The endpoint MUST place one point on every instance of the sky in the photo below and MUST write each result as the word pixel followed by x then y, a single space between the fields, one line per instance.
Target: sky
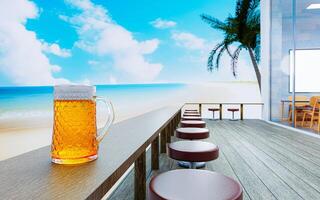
pixel 111 42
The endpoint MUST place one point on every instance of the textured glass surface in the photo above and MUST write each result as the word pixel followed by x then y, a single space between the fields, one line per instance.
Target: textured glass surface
pixel 74 134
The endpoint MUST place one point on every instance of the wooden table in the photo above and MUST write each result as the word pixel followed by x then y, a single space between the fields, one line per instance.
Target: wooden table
pixel 283 101
pixel 33 176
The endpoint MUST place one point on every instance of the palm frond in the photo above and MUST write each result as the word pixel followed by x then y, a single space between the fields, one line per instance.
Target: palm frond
pixel 222 49
pixel 211 56
pixel 213 22
pixel 234 60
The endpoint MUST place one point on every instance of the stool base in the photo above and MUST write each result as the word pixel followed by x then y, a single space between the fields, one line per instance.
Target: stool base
pixel 192 165
pixel 233 119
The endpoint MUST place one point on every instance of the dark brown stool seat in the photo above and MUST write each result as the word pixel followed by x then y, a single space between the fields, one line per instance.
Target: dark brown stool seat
pixel 191 110
pixel 213 110
pixel 195 113
pixel 191 115
pixel 193 151
pixel 233 110
pixel 191 118
pixel 191 184
pixel 192 124
pixel 192 133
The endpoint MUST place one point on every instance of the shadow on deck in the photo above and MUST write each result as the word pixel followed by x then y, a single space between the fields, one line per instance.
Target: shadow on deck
pixel 270 162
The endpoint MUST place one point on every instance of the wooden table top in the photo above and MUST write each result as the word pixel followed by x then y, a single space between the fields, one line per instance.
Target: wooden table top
pixel 33 176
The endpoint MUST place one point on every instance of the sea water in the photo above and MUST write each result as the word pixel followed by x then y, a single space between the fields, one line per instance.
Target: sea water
pixel 23 103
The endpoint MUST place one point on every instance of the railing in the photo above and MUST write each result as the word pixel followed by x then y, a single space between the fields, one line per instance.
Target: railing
pixel 33 176
pixel 241 104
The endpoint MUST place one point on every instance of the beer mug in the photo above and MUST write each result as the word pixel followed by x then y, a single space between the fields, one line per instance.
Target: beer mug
pixel 75 139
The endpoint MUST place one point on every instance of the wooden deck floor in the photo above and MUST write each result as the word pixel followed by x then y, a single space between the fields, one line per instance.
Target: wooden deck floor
pixel 270 162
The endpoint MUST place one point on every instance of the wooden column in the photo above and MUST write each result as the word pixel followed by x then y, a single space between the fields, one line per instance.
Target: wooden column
pixel 241 111
pixel 140 177
pixel 155 154
pixel 163 142
pixel 168 134
pixel 220 106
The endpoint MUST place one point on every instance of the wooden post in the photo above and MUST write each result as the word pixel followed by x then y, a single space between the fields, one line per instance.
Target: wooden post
pixel 168 134
pixel 155 154
pixel 241 111
pixel 163 142
pixel 200 108
pixel 220 111
pixel 140 177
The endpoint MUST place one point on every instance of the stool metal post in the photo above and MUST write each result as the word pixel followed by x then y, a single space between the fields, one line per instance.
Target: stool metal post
pixel 220 106
pixel 241 111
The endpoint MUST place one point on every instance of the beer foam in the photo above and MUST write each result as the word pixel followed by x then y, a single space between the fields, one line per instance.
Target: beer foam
pixel 74 92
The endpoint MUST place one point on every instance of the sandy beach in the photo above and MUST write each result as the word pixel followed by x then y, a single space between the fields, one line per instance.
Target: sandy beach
pixel 19 136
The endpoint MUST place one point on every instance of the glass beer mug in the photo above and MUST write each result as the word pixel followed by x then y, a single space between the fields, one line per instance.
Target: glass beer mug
pixel 75 139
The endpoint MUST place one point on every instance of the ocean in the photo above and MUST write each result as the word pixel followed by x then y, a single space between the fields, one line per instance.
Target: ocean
pixel 20 103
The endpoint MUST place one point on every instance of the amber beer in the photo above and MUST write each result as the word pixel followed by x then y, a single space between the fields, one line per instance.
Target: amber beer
pixel 75 139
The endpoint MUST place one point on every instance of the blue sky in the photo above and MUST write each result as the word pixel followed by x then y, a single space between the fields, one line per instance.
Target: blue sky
pixel 107 42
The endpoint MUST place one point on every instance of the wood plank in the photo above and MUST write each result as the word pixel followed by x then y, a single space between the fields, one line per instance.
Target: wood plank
pixel 40 179
pixel 251 182
pixel 300 186
pixel 299 169
pixel 285 146
pixel 277 186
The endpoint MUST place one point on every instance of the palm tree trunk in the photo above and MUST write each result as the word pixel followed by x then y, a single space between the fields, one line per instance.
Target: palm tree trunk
pixel 256 68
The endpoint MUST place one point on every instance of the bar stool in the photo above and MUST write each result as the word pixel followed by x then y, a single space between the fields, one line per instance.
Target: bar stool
pixel 191 110
pixel 233 110
pixel 190 184
pixel 191 115
pixel 192 133
pixel 193 152
pixel 213 111
pixel 191 118
pixel 192 124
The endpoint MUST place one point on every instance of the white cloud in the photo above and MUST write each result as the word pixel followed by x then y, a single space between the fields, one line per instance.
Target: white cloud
pixel 99 34
pixel 93 62
pixel 197 52
pixel 163 24
pixel 188 40
pixel 55 49
pixel 21 54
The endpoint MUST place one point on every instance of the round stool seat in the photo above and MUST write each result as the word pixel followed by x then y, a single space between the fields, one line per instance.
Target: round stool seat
pixel 193 151
pixel 191 110
pixel 192 133
pixel 214 109
pixel 233 109
pixel 190 184
pixel 191 115
pixel 191 118
pixel 193 124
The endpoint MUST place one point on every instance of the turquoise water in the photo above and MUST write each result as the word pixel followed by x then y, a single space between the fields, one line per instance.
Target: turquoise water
pixel 22 102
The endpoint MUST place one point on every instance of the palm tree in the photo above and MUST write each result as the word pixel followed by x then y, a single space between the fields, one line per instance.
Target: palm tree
pixel 242 30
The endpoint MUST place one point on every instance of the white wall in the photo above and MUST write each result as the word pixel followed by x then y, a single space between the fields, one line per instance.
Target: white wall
pixel 265 56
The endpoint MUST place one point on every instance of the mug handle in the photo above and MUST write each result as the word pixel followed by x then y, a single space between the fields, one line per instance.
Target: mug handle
pixel 103 131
